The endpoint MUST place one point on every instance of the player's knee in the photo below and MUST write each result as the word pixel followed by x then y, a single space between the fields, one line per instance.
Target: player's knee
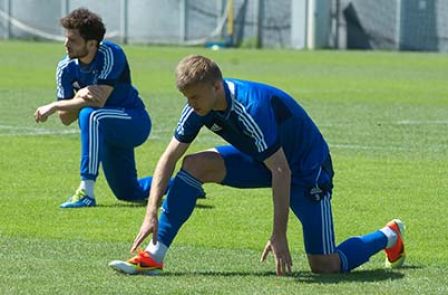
pixel 196 165
pixel 84 114
pixel 324 264
pixel 129 197
pixel 205 166
pixel 128 193
pixel 86 111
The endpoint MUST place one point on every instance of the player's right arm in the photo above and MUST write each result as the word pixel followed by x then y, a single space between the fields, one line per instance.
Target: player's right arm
pixel 164 169
pixel 65 90
pixel 69 108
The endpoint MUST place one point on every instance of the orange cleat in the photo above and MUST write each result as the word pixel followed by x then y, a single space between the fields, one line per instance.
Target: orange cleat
pixel 142 263
pixel 396 254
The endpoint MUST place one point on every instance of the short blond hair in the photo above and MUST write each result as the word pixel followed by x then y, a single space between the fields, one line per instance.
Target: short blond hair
pixel 196 69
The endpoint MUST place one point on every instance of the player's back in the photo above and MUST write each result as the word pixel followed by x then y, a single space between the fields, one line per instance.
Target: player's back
pixel 301 140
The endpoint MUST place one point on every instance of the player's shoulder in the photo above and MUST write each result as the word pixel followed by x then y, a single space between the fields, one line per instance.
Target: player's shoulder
pixel 65 64
pixel 108 47
pixel 249 92
pixel 249 86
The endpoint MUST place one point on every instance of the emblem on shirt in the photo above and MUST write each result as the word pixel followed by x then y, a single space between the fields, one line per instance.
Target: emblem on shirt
pixel 76 85
pixel 215 128
pixel 180 129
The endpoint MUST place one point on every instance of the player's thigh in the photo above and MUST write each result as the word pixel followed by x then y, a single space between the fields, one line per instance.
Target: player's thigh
pixel 243 171
pixel 317 221
pixel 206 166
pixel 125 128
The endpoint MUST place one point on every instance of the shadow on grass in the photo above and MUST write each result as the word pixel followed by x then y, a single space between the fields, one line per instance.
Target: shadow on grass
pixel 304 277
pixel 374 275
pixel 143 204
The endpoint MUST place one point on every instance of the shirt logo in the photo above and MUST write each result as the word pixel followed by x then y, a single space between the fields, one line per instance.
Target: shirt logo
pixel 180 129
pixel 215 128
pixel 76 85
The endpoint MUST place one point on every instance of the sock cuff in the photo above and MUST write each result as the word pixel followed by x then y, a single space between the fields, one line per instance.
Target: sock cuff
pixel 157 251
pixel 390 235
pixel 189 179
pixel 344 261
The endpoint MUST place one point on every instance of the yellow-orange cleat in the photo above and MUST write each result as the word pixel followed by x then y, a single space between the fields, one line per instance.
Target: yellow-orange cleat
pixel 142 263
pixel 396 255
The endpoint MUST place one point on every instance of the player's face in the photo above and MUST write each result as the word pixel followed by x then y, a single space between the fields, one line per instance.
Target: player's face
pixel 75 45
pixel 202 97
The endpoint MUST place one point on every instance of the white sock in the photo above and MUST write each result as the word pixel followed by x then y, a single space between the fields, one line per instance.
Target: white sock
pixel 157 251
pixel 391 236
pixel 88 186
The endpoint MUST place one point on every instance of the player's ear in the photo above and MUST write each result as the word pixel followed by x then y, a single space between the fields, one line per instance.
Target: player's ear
pixel 92 44
pixel 217 85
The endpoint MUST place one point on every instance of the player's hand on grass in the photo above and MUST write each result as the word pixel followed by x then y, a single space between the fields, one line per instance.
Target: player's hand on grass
pixel 280 249
pixel 150 226
pixel 43 112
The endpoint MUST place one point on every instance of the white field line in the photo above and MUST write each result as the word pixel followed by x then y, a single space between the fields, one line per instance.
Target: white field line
pixel 417 122
pixel 366 147
pixel 156 134
pixel 33 131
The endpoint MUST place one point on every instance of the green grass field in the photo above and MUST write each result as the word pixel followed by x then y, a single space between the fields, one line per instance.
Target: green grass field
pixel 384 114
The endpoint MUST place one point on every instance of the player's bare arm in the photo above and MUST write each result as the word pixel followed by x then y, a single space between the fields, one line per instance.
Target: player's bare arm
pixel 281 183
pixel 94 95
pixel 164 169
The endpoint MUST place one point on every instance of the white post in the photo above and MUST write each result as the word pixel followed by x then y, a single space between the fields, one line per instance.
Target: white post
pixel 7 20
pixel 298 23
pixel 65 9
pixel 311 22
pixel 219 11
pixel 259 26
pixel 124 21
pixel 183 20
pixel 398 29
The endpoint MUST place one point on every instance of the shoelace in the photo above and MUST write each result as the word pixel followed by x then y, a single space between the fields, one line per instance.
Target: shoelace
pixel 79 194
pixel 141 256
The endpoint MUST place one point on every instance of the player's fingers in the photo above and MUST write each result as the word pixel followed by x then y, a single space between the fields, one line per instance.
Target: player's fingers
pixel 265 253
pixel 138 240
pixel 134 247
pixel 278 266
pixel 289 266
pixel 154 234
pixel 37 115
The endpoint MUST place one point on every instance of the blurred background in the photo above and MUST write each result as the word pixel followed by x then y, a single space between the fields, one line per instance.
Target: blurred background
pixel 417 25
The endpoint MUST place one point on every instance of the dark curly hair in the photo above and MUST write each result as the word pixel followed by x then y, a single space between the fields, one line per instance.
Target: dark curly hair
pixel 89 24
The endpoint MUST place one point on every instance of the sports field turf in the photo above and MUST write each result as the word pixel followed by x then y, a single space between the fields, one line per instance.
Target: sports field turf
pixel 384 114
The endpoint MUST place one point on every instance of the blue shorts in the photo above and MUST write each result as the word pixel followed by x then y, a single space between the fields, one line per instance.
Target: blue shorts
pixel 242 171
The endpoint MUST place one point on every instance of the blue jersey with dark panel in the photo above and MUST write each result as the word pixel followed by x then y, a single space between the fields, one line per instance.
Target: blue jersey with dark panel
pixel 260 119
pixel 109 67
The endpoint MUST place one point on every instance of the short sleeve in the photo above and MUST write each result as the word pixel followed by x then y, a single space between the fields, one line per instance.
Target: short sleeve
pixel 64 80
pixel 188 126
pixel 261 121
pixel 113 64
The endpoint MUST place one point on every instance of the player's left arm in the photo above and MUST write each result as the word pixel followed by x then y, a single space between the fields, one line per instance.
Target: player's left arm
pixel 281 185
pixel 270 151
pixel 94 95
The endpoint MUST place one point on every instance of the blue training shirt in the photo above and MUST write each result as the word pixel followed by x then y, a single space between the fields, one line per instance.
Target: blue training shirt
pixel 260 119
pixel 109 67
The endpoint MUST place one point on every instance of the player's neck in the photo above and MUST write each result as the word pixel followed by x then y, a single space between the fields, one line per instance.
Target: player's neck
pixel 221 103
pixel 88 58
